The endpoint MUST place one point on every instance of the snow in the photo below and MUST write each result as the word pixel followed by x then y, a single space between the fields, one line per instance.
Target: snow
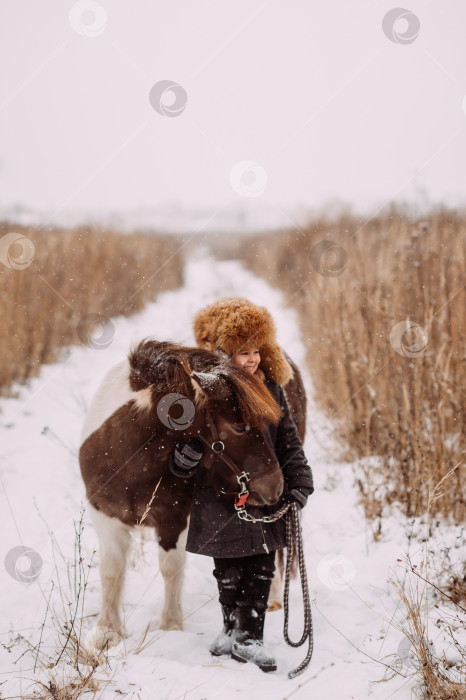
pixel 42 493
pixel 208 379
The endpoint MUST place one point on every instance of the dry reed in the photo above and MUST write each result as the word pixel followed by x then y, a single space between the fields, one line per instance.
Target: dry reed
pixel 382 307
pixel 71 284
pixel 438 679
pixel 64 666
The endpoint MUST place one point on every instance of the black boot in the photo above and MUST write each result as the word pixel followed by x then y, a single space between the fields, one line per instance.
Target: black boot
pixel 223 642
pixel 248 644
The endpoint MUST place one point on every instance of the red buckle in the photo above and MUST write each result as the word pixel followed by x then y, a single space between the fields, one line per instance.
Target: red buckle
pixel 241 500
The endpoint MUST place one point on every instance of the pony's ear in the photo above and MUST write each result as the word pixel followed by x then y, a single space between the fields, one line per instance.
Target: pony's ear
pixel 212 381
pixel 221 354
pixel 142 358
pixel 157 365
pixel 200 396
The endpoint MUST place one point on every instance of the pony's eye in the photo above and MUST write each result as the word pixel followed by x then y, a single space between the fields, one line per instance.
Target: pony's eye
pixel 240 429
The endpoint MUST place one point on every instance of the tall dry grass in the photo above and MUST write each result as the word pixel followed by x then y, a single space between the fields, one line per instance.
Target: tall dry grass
pixel 437 677
pixel 397 392
pixel 60 662
pixel 71 283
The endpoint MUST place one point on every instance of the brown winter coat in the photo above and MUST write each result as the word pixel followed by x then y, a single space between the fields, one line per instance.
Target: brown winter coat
pixel 215 529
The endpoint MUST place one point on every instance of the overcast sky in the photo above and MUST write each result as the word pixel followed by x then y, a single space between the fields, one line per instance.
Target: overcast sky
pixel 281 104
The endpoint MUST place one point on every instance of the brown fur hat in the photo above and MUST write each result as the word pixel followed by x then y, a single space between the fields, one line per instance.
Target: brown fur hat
pixel 232 324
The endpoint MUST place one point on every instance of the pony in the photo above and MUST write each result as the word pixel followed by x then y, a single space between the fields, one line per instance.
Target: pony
pixel 165 393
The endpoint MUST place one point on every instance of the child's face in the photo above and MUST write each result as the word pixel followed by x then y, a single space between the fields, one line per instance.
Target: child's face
pixel 248 358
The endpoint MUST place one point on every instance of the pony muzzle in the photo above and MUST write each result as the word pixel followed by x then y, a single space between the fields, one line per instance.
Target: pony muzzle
pixel 266 489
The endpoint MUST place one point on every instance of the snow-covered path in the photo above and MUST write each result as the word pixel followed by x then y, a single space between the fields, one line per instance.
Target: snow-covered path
pixel 41 496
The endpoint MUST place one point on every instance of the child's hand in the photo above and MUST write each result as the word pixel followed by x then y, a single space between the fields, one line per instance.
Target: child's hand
pixel 295 496
pixel 186 457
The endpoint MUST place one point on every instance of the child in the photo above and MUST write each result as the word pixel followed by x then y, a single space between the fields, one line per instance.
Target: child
pixel 244 567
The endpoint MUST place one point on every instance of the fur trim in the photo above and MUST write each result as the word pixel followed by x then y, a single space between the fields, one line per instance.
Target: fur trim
pixel 232 324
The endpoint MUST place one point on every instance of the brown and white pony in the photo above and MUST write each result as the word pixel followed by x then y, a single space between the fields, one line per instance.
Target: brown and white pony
pixel 164 394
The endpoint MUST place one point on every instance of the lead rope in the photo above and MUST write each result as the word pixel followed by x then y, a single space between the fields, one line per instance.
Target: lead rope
pixel 292 522
pixel 290 510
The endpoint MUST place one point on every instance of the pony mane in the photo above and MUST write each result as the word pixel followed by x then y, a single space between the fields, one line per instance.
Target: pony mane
pixel 170 367
pixel 161 365
pixel 255 403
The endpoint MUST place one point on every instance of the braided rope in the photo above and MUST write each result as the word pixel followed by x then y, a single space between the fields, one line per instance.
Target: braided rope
pixel 292 523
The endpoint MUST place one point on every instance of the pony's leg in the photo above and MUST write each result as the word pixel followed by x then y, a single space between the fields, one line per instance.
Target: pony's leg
pixel 275 601
pixel 114 541
pixel 172 567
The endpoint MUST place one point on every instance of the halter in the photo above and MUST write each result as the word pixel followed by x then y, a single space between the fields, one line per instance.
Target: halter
pixel 218 449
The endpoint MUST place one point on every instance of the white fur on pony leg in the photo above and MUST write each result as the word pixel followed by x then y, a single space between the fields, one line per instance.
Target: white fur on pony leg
pixel 172 567
pixel 114 541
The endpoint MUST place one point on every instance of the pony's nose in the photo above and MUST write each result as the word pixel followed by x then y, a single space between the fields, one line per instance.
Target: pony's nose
pixel 275 490
pixel 279 491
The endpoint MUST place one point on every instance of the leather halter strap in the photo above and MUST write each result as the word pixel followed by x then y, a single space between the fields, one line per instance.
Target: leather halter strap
pixel 218 446
pixel 242 477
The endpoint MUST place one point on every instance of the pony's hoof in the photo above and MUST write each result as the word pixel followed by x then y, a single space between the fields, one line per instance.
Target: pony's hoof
pixel 105 637
pixel 170 623
pixel 274 605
